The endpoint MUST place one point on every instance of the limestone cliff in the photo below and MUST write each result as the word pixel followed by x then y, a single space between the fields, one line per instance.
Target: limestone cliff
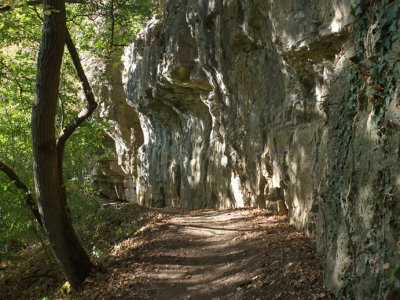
pixel 115 176
pixel 256 102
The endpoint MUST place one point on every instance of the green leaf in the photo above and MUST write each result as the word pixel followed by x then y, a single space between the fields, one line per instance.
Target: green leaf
pixel 392 13
pixel 395 37
pixel 66 289
pixel 397 273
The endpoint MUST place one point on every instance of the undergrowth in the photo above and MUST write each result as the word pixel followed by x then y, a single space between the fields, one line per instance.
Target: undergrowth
pixel 30 271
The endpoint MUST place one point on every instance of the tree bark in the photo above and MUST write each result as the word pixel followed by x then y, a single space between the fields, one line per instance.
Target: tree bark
pixel 74 261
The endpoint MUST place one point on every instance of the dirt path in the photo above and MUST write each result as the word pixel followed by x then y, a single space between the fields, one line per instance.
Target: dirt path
pixel 236 254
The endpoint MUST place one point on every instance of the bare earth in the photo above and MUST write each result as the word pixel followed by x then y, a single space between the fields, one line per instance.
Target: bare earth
pixel 231 254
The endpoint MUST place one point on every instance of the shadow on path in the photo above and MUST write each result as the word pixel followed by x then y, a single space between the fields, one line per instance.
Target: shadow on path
pixel 234 254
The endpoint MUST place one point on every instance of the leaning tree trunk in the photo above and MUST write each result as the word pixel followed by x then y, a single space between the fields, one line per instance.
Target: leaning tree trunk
pixel 73 259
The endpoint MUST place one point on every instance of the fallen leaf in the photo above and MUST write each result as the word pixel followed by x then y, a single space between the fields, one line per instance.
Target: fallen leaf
pixel 377 87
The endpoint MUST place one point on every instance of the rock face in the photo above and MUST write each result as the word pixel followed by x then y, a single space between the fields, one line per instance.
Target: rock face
pixel 290 103
pixel 115 176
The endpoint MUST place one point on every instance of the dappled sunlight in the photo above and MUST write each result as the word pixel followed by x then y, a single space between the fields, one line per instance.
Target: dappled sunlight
pixel 237 191
pixel 289 125
pixel 235 254
pixel 342 16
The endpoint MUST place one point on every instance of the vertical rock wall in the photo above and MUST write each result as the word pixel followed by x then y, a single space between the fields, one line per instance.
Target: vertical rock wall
pixel 293 102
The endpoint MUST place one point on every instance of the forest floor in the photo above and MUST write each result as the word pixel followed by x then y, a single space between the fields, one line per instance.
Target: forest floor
pixel 207 254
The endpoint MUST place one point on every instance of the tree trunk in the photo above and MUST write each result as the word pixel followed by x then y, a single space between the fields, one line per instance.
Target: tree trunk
pixel 73 259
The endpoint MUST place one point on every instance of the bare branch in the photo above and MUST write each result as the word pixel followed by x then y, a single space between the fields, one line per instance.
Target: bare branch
pixel 20 185
pixel 21 89
pixel 112 22
pixel 37 13
pixel 62 111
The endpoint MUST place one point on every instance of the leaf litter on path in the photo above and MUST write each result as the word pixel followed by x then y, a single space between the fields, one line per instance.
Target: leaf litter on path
pixel 229 254
pixel 174 254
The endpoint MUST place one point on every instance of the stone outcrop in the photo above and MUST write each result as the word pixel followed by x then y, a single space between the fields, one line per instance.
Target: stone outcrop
pixel 258 102
pixel 115 176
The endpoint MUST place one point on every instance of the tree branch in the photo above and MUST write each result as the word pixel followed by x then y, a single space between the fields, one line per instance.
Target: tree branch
pixel 83 114
pixel 112 22
pixel 20 185
pixel 92 104
pixel 5 8
pixel 62 111
pixel 21 89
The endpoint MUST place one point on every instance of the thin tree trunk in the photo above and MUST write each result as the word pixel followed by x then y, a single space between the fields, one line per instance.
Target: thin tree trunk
pixel 73 259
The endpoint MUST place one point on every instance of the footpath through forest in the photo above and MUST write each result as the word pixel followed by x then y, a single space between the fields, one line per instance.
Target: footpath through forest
pixel 234 254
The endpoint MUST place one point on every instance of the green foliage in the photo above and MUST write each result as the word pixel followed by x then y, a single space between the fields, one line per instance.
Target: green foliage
pixel 374 76
pixel 372 86
pixel 127 228
pixel 17 223
pixel 17 77
pixel 394 278
pixel 97 27
pixel 102 25
pixel 66 289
